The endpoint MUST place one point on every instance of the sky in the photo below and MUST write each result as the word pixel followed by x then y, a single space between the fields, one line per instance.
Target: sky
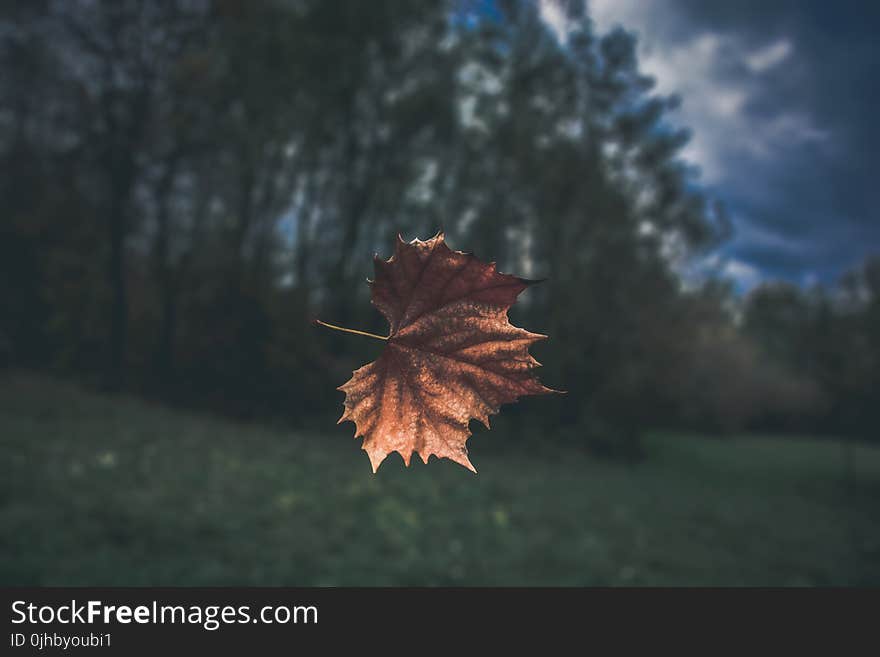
pixel 780 96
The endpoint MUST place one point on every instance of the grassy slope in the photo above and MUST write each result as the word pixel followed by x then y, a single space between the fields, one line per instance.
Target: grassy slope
pixel 96 490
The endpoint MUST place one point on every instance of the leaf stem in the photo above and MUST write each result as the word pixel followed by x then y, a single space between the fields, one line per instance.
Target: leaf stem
pixel 348 330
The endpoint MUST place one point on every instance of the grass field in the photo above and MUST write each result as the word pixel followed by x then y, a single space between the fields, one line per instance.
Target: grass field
pixel 117 491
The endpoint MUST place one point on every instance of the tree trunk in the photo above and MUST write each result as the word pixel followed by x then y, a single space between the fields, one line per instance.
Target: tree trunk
pixel 168 333
pixel 121 167
pixel 119 289
pixel 164 273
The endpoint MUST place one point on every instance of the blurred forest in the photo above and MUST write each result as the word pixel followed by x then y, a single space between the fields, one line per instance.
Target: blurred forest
pixel 186 184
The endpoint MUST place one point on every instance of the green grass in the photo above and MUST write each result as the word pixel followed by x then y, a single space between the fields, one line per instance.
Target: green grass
pixel 116 491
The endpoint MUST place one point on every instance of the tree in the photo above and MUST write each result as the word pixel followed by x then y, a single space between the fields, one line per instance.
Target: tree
pixel 119 54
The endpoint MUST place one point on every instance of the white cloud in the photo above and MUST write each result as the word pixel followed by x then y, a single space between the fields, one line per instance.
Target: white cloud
pixel 608 13
pixel 744 275
pixel 764 59
pixel 742 123
pixel 552 14
pixel 715 101
pixel 797 128
pixel 728 102
pixel 761 236
pixel 714 265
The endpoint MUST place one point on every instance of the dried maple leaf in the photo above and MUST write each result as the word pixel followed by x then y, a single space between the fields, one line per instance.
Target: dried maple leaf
pixel 451 354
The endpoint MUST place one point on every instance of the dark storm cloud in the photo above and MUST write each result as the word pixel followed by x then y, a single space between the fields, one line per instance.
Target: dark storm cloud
pixel 781 97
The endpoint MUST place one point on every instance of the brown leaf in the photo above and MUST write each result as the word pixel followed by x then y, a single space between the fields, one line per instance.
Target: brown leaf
pixel 451 354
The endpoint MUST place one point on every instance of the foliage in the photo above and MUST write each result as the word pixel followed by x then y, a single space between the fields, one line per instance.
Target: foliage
pixel 188 183
pixel 830 337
